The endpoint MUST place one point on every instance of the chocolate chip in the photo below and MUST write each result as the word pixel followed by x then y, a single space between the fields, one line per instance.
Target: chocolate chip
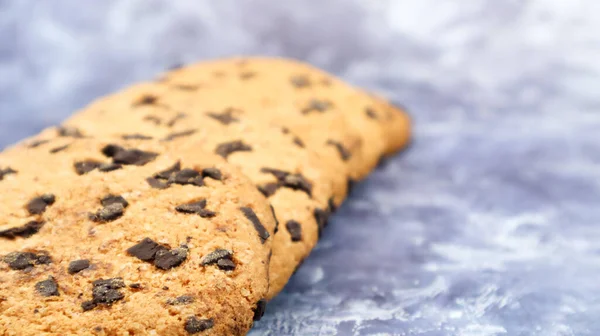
pixel 215 256
pixel 196 208
pixel 175 119
pixel 259 311
pixel 108 167
pixel 298 182
pixel 111 150
pixel 154 119
pixel 213 173
pixel 77 266
pixel 300 81
pixel 25 231
pixel 298 142
pixel 226 117
pixel 165 288
pixel 226 265
pixel 47 287
pixel 275 218
pixel 59 149
pixel 114 199
pixel 108 213
pixel 295 230
pixel 135 286
pixel 344 152
pixel 167 259
pixel 181 300
pixel 370 112
pixel 187 176
pixel 25 260
pixel 134 157
pixel 37 143
pixel 247 75
pixel 145 250
pixel 38 205
pixel 279 174
pixel 69 132
pixel 136 136
pixel 194 325
pixel 317 105
pixel 268 189
pixel 181 134
pixel 321 217
pixel 105 292
pixel 156 184
pixel 227 148
pixel 6 171
pixel 166 174
pixel 263 234
pixel 84 167
pixel 145 100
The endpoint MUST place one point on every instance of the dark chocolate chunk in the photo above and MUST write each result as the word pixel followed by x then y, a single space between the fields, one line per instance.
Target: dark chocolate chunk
pixel 145 250
pixel 259 311
pixel 166 174
pixel 156 183
pixel 84 167
pixel 106 291
pixel 213 173
pixel 298 142
pixel 37 143
pixel 77 266
pixel 145 100
pixel 268 189
pixel 25 231
pixel 194 325
pixel 187 176
pixel 247 75
pixel 181 300
pixel 135 285
pixel 321 217
pixel 114 199
pixel 295 230
pixel 370 112
pixel 196 208
pixel 298 182
pixel 156 120
pixel 108 167
pixel 48 287
pixel 136 136
pixel 226 117
pixel 181 134
pixel 88 305
pixel 344 152
pixel 227 148
pixel 226 265
pixel 275 218
pixel 215 256
pixel 175 119
pixel 133 157
pixel 300 81
pixel 69 132
pixel 108 213
pixel 59 149
pixel 316 105
pixel 111 150
pixel 263 234
pixel 6 171
pixel 279 174
pixel 25 260
pixel 38 205
pixel 167 259
pixel 165 288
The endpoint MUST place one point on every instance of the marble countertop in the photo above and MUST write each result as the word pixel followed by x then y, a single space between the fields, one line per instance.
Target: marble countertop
pixel 488 225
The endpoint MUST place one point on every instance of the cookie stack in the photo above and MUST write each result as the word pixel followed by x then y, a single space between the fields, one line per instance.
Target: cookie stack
pixel 181 206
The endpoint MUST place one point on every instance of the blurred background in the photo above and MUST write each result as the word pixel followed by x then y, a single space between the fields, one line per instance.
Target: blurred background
pixel 487 225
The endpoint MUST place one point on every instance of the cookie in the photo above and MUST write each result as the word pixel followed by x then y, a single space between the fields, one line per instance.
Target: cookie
pixel 106 237
pixel 297 181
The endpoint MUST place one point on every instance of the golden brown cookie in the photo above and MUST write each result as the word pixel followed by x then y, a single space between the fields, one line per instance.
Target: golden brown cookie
pixel 113 237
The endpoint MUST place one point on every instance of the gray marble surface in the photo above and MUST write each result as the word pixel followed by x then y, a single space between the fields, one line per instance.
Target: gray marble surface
pixel 488 225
